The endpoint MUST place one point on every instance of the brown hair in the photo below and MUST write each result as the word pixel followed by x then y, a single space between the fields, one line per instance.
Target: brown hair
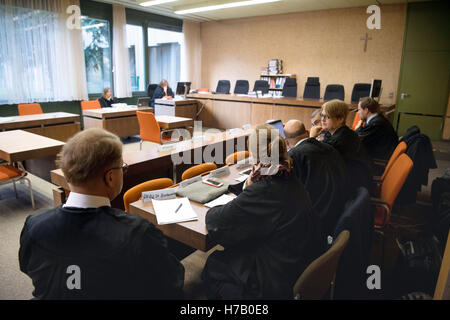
pixel 371 104
pixel 337 109
pixel 89 154
pixel 272 138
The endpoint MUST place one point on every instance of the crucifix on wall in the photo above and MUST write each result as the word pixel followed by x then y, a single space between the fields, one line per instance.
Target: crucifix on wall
pixel 366 38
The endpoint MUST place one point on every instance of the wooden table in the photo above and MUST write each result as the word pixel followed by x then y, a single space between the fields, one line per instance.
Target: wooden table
pixel 191 233
pixel 233 110
pixel 37 152
pixel 186 108
pixel 120 121
pixel 172 122
pixel 151 163
pixel 55 125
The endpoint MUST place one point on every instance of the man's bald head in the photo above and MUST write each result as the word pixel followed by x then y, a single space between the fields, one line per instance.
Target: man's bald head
pixel 294 130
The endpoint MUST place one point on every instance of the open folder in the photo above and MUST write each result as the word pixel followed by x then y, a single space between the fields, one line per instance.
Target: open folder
pixel 173 210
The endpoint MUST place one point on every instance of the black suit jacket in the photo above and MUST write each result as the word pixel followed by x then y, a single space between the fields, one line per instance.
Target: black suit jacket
pixel 107 103
pixel 120 256
pixel 268 234
pixel 159 93
pixel 378 137
pixel 323 172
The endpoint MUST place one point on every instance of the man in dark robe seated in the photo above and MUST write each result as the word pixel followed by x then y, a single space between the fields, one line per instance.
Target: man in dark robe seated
pixel 268 231
pixel 375 131
pixel 322 170
pixel 358 163
pixel 87 250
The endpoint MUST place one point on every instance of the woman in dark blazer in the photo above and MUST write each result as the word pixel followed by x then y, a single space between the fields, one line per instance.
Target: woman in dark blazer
pixel 268 231
pixel 107 98
pixel 346 141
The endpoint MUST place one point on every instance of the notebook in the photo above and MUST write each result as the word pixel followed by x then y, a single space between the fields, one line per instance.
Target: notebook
pixel 173 211
pixel 220 201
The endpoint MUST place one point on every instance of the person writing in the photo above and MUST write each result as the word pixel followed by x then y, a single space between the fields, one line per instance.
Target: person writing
pixel 267 231
pixel 107 98
pixel 163 91
pixel 377 134
pixel 87 250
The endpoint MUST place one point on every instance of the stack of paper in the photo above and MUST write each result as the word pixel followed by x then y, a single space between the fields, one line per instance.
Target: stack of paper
pixel 220 201
pixel 173 210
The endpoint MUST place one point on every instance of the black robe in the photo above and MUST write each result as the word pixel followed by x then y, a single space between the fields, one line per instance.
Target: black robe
pixel 323 172
pixel 104 103
pixel 120 256
pixel 378 137
pixel 268 234
pixel 358 163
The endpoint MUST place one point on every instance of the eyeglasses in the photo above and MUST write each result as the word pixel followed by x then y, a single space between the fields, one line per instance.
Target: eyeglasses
pixel 324 116
pixel 316 122
pixel 124 168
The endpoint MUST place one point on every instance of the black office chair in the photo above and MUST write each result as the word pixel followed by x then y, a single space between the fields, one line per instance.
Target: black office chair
pixel 312 88
pixel 360 90
pixel 223 86
pixel 334 91
pixel 261 85
pixel 150 90
pixel 241 87
pixel 290 88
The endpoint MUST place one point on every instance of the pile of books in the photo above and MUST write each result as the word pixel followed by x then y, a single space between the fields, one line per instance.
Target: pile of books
pixel 275 66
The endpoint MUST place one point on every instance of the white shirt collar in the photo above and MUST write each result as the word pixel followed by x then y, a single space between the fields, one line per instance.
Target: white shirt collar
pixel 371 117
pixel 78 200
pixel 300 141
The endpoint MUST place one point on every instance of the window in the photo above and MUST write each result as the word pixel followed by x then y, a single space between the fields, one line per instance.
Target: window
pixel 164 55
pixel 135 39
pixel 97 53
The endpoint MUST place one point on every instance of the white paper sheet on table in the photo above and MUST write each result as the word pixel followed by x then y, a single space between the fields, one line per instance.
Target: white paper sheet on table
pixel 165 211
pixel 220 201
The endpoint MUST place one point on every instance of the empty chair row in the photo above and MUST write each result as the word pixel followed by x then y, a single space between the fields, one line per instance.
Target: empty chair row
pixel 311 91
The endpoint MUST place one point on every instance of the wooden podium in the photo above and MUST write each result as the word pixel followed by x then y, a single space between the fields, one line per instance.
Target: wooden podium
pixel 176 107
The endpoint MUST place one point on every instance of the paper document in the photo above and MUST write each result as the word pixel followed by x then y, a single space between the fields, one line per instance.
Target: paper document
pixel 242 178
pixel 220 201
pixel 173 210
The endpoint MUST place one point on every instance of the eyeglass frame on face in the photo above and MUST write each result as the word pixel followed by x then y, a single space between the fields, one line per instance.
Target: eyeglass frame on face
pixel 124 168
pixel 324 116
pixel 317 122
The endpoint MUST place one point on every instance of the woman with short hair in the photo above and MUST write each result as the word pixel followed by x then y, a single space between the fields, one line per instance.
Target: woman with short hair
pixel 346 141
pixel 267 230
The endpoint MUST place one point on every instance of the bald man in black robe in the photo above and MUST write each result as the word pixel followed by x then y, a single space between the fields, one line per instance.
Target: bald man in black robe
pixel 322 170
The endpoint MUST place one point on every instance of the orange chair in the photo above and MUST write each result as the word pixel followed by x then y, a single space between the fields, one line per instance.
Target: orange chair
pixel 237 156
pixel 134 194
pixel 29 109
pixel 149 129
pixel 400 149
pixel 390 187
pixel 356 121
pixel 91 104
pixel 198 170
pixel 11 174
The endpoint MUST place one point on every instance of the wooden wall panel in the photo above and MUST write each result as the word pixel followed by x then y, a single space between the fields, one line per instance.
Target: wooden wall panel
pixel 325 44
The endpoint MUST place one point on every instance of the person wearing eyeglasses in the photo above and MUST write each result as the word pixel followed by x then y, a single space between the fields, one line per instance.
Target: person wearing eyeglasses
pixel 85 249
pixel 346 142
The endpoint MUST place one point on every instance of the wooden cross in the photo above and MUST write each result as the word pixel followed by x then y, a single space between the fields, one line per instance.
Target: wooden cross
pixel 366 38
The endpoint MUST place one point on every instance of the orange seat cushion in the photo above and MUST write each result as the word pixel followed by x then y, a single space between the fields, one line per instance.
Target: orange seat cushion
pixel 8 172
